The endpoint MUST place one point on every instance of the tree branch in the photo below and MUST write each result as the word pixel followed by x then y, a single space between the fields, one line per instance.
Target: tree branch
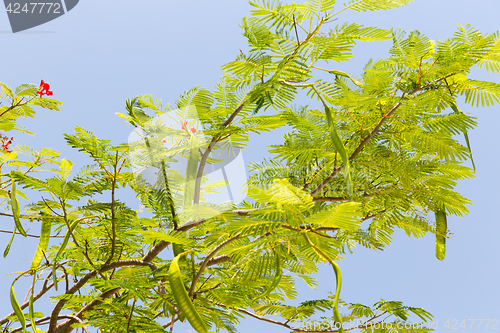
pixel 207 259
pixel 42 292
pixel 65 327
pixel 155 251
pixel 28 235
pixel 207 152
pixel 375 131
pixel 219 260
pixel 113 214
pixel 337 199
pixel 41 320
pixel 54 327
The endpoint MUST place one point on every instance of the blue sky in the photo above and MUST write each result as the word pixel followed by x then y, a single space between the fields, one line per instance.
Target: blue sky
pixel 103 52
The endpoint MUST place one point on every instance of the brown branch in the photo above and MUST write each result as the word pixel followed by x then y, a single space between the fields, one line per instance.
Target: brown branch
pixel 208 289
pixel 330 199
pixel 296 32
pixel 338 199
pixel 131 314
pixel 370 216
pixel 219 260
pixel 207 152
pixel 41 320
pixel 190 224
pixel 243 212
pixel 42 292
pixel 24 216
pixel 28 235
pixel 12 107
pixel 155 251
pixel 365 324
pixel 287 226
pixel 205 262
pixel 277 322
pixel 65 327
pixel 328 179
pixel 113 214
pixel 175 218
pixel 65 217
pixel 171 322
pixel 375 131
pixel 54 327
pixel 263 318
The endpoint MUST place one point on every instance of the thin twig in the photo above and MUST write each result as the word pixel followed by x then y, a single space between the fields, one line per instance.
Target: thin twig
pixel 28 235
pixel 296 32
pixel 205 262
pixel 130 316
pixel 375 131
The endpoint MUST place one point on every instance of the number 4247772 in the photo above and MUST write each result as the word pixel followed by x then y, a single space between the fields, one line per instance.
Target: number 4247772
pixel 453 324
pixel 34 8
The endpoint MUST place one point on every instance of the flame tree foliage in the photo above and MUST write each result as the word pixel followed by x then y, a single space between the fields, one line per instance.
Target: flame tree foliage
pixel 380 148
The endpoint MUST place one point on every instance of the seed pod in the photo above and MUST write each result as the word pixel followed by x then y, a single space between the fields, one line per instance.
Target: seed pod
pixel 17 309
pixel 42 243
pixel 181 296
pixel 7 249
pixel 339 145
pixel 441 228
pixel 15 209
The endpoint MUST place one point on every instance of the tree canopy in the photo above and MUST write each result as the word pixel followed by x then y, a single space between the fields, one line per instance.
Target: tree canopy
pixel 370 154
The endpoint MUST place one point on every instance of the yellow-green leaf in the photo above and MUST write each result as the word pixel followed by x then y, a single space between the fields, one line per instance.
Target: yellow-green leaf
pixel 177 248
pixel 66 167
pixel 168 309
pixel 344 216
pixel 276 280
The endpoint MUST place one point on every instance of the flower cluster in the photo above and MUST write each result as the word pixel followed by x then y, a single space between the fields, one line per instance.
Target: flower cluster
pixel 184 127
pixel 5 143
pixel 44 89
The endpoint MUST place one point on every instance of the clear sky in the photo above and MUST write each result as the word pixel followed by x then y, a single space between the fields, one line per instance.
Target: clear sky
pixel 103 52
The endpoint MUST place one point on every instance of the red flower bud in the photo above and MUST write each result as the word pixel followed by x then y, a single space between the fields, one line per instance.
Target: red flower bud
pixel 184 125
pixel 5 143
pixel 44 89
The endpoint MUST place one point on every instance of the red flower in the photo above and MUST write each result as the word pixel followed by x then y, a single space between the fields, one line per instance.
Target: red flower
pixel 5 143
pixel 44 89
pixel 184 127
pixel 164 141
